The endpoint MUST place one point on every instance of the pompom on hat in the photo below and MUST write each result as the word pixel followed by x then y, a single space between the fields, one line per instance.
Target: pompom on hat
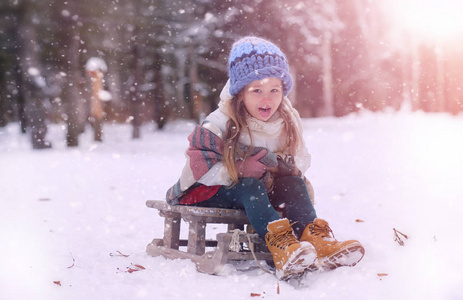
pixel 253 58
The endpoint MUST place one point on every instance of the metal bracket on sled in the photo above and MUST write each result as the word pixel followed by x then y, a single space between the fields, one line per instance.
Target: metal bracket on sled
pixel 197 218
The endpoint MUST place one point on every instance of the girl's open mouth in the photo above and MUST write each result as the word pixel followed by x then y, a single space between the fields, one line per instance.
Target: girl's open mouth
pixel 265 111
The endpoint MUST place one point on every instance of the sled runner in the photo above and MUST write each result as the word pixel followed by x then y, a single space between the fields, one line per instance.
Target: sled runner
pixel 171 245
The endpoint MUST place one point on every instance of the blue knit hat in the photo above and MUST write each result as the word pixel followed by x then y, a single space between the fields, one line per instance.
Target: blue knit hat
pixel 254 58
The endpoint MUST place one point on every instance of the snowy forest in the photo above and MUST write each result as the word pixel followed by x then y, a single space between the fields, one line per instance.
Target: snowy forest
pixel 164 60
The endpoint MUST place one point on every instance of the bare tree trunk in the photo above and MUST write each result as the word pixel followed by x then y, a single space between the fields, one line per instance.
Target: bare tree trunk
pixel 181 102
pixel 32 83
pixel 416 74
pixel 161 112
pixel 4 116
pixel 327 75
pixel 195 96
pixel 406 101
pixel 135 90
pixel 21 103
pixel 75 103
pixel 440 70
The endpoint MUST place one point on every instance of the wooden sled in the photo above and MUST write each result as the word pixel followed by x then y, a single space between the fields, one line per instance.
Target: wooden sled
pixel 197 218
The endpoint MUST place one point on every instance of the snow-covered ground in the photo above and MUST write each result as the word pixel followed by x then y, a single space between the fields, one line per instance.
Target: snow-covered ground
pixel 68 215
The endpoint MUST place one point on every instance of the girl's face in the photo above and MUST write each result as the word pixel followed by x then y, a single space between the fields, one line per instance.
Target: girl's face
pixel 263 97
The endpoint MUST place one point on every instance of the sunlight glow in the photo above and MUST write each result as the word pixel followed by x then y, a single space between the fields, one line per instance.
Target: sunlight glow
pixel 439 19
pixel 434 159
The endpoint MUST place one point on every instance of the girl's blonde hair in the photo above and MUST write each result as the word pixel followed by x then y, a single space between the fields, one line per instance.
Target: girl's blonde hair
pixel 237 112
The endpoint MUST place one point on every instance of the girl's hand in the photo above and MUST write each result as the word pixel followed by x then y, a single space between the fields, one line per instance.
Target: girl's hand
pixel 255 165
pixel 275 170
pixel 287 166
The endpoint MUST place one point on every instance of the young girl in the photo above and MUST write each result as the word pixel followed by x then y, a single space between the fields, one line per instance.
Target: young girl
pixel 249 154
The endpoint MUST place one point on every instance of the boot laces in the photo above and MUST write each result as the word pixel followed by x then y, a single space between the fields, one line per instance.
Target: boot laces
pixel 324 230
pixel 284 239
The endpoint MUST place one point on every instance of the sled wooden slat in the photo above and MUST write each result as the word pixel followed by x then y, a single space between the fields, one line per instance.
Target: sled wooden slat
pixel 197 218
pixel 210 215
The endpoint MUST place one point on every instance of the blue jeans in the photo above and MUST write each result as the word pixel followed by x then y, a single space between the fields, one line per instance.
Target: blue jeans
pixel 250 194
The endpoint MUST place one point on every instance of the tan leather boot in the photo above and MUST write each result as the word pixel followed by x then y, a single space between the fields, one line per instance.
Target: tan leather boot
pixel 331 253
pixel 290 256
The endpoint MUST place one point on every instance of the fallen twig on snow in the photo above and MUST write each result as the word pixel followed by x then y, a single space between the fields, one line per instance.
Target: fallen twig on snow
pixel 380 275
pixel 263 293
pixel 133 268
pixel 119 254
pixel 397 238
pixel 73 261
